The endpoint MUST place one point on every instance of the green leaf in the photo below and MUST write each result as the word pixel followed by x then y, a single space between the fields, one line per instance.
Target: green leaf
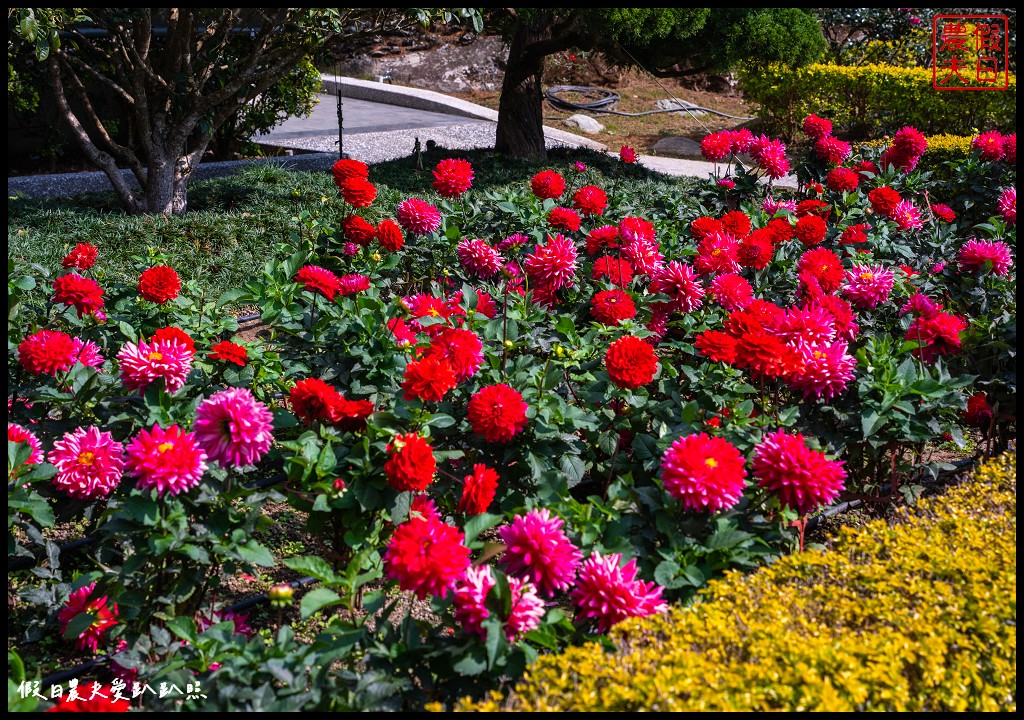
pixel 314 567
pixel 79 624
pixel 184 628
pixel 871 422
pixel 477 524
pixel 255 553
pixel 317 599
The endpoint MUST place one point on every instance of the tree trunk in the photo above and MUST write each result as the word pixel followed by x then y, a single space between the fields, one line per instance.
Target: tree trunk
pixel 520 131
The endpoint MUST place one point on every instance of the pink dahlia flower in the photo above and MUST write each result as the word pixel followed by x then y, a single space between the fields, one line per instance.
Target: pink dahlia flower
pixel 608 594
pixel 937 334
pixel 868 286
pixel 772 206
pixel 812 324
pixel 717 253
pixel 89 463
pixel 426 556
pixel 234 428
pixel 771 157
pixel 643 255
pixel 417 217
pixel 553 265
pixel 87 353
pixel 827 370
pixel 920 304
pixel 470 598
pixel 144 362
pixel 18 434
pixel 978 256
pixel 907 216
pixel 1007 205
pixel 990 145
pixel 166 460
pixel 803 479
pixel 716 146
pixel 732 291
pixel 680 282
pixel 536 548
pixel 817 127
pixel 704 473
pixel 479 258
pixel 832 150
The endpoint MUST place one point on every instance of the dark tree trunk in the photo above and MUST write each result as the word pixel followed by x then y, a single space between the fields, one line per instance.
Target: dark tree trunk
pixel 520 131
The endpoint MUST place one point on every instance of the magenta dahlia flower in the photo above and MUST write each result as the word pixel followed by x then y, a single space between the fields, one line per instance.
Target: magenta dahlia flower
pixel 907 216
pixel 732 291
pixel 234 428
pixel 552 265
pixel 978 256
pixel 89 462
pixel 717 253
pixel 989 144
pixel 87 353
pixel 103 616
pixel 144 362
pixel 811 324
pixel 803 479
pixel 536 548
pixel 643 255
pixel 716 146
pixel 704 473
pixel 426 556
pixel 168 461
pixel 868 286
pixel 817 127
pixel 18 434
pixel 770 155
pixel 680 282
pixel 832 150
pixel 479 258
pixel 470 602
pixel 827 370
pixel 417 217
pixel 1007 205
pixel 607 594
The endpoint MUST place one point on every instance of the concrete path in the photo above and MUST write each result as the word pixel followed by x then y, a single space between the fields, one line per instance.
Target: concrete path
pixel 380 122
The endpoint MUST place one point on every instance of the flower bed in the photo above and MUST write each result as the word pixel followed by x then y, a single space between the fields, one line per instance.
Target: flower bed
pixel 538 410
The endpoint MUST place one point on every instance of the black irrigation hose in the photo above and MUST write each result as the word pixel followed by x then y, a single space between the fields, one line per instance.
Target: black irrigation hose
pixel 606 98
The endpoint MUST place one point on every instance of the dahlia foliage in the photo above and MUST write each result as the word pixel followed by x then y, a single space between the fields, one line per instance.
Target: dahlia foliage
pixel 508 418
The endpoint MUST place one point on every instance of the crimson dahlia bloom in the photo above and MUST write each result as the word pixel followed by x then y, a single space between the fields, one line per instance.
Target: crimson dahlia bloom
pixel 736 223
pixel 411 464
pixel 731 291
pixel 358 230
pixel 171 332
pixel 358 192
pixel 228 351
pixel 990 145
pixel 817 127
pixel 716 346
pixel 453 177
pixel 680 282
pixel 1010 148
pixel 353 283
pixel 607 594
pixel 497 413
pixel 765 355
pixel 590 200
pixel 716 146
pixel 615 270
pixel 824 266
pixel 842 179
pixel 883 200
pixel 318 280
pixel 47 352
pixel 85 294
pixel 478 489
pixel 803 479
pixel 81 601
pixel 417 217
pixel 389 235
pixel 980 256
pixel 565 219
pixel 347 168
pixel 704 226
pixel 461 348
pixel 605 236
pixel 756 249
pixel 609 307
pixel 704 473
pixel 159 284
pixel 717 253
pixel 810 230
pixel 812 324
pixel 349 414
pixel 82 257
pixel 978 413
pixel 311 400
pixel 547 185
pixel 168 461
pixel 426 556
pixel 630 362
pixel 943 212
pixel 428 379
pixel 234 428
pixel 89 463
pixel 627 154
pixel 537 549
pixel 938 334
pixel 832 150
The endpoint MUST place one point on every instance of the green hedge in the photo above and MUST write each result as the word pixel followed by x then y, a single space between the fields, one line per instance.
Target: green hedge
pixel 918 615
pixel 870 101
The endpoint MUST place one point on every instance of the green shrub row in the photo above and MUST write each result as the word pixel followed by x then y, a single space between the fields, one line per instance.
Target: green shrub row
pixel 919 615
pixel 870 101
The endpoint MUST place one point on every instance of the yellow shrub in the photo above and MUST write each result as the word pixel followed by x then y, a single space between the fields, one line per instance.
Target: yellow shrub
pixel 869 101
pixel 913 616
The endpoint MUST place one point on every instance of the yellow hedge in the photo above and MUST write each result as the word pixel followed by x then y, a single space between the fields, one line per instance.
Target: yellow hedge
pixel 911 616
pixel 869 101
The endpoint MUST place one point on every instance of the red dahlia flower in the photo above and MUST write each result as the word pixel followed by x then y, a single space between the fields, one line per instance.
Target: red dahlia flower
pixel 453 177
pixel 731 291
pixel 627 154
pixel 159 284
pixel 497 413
pixel 319 280
pixel 85 294
pixel 736 223
pixel 552 265
pixel 615 270
pixel 824 266
pixel 605 236
pixel 358 192
pixel 426 556
pixel 46 352
pixel 389 235
pixel 547 185
pixel 937 334
pixel 428 379
pixel 817 127
pixel 810 230
pixel 842 179
pixel 630 362
pixel 883 200
pixel 717 346
pixel 756 249
pixel 80 602
pixel 478 489
pixel 590 200
pixel 832 150
pixel 609 307
pixel 562 218
pixel 82 257
pixel 411 464
pixel 716 146
pixel 358 230
pixel 229 352
pixel 704 226
pixel 347 168
pixel 175 333
pixel 311 400
pixel 978 413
